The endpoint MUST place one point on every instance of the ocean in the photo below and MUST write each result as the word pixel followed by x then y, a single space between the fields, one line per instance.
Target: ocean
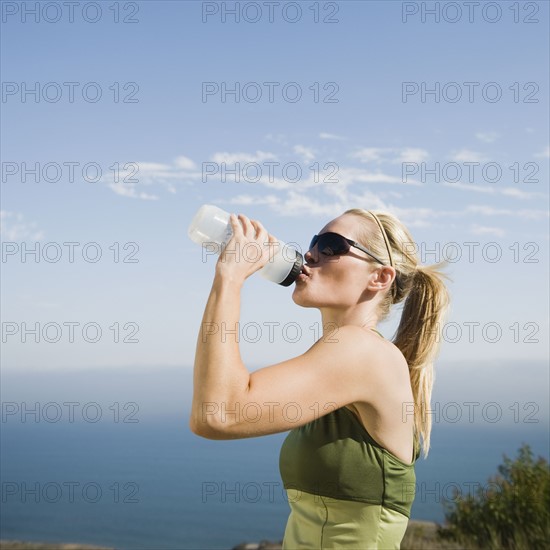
pixel 156 485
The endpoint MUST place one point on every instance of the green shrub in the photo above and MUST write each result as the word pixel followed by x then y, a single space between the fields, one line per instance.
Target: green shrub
pixel 510 512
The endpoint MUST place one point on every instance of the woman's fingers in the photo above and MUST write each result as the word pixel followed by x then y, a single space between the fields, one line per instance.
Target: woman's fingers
pixel 252 229
pixel 260 230
pixel 246 225
pixel 235 223
pixel 247 232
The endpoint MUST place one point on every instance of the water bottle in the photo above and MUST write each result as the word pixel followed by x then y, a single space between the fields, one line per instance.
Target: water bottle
pixel 210 227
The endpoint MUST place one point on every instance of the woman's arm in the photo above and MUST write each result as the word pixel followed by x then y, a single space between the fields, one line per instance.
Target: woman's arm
pixel 220 377
pixel 344 367
pixel 219 374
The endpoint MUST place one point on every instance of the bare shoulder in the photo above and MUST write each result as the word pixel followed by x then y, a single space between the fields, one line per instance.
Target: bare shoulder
pixel 384 387
pixel 369 346
pixel 374 357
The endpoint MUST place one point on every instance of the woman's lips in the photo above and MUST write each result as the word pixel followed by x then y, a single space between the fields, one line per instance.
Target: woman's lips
pixel 305 274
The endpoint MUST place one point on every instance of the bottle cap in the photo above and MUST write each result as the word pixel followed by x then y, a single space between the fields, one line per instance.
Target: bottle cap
pixel 295 271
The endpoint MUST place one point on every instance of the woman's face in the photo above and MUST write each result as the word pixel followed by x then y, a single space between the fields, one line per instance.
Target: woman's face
pixel 336 280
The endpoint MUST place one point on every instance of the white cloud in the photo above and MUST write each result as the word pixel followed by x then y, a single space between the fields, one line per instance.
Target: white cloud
pixel 544 154
pixel 485 230
pixel 371 154
pixel 487 137
pixel 148 167
pixel 326 135
pixel 420 216
pixel 380 177
pixel 517 193
pixel 133 175
pixel 491 211
pixel 488 210
pixel 388 154
pixel 333 178
pixel 243 158
pixel 280 139
pixel 508 191
pixel 125 190
pixel 533 214
pixel 307 153
pixel 466 155
pixel 185 163
pixel 13 227
pixel 337 188
pixel 367 200
pixel 297 204
pixel 468 187
pixel 350 176
pixel 411 154
pixel 253 200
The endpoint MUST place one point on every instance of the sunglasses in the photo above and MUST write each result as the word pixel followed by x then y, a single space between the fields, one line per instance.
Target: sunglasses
pixel 333 244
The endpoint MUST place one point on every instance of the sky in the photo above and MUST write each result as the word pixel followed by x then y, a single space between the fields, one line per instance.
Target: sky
pixel 120 119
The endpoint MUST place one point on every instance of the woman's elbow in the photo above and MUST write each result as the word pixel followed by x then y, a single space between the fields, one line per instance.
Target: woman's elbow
pixel 206 429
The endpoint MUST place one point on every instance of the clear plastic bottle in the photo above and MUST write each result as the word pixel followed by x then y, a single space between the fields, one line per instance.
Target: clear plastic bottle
pixel 211 228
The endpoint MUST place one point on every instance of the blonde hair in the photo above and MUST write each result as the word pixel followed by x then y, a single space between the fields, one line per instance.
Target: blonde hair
pixel 426 302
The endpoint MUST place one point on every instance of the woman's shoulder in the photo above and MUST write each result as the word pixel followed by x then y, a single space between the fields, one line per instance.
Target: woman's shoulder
pixel 371 343
pixel 378 364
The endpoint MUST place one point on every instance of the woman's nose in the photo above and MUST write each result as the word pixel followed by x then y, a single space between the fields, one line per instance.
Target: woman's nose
pixel 311 255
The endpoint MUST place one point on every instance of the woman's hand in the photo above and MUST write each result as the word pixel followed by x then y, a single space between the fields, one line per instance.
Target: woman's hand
pixel 249 249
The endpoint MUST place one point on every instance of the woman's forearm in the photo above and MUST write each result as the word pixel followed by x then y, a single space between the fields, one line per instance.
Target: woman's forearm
pixel 220 378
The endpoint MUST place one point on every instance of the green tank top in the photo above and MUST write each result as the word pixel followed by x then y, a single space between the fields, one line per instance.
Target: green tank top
pixel 335 456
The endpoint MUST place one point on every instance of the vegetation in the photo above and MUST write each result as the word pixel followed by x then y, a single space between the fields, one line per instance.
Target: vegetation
pixel 511 512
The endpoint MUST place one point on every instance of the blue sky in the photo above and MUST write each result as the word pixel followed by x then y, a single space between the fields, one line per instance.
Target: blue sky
pixel 364 136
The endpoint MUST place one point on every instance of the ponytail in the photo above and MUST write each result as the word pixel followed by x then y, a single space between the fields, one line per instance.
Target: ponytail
pixel 418 338
pixel 426 303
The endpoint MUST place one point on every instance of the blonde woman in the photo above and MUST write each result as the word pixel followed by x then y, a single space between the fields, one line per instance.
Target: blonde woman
pixel 355 403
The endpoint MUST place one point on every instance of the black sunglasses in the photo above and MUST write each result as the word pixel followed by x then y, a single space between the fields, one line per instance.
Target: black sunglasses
pixel 334 244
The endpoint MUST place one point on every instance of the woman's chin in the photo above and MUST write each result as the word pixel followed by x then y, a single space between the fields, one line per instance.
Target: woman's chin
pixel 300 299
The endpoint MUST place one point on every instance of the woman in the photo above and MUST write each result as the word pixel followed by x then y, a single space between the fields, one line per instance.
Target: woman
pixel 355 402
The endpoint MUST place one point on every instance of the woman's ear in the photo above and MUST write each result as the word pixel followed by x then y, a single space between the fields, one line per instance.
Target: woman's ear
pixel 381 278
